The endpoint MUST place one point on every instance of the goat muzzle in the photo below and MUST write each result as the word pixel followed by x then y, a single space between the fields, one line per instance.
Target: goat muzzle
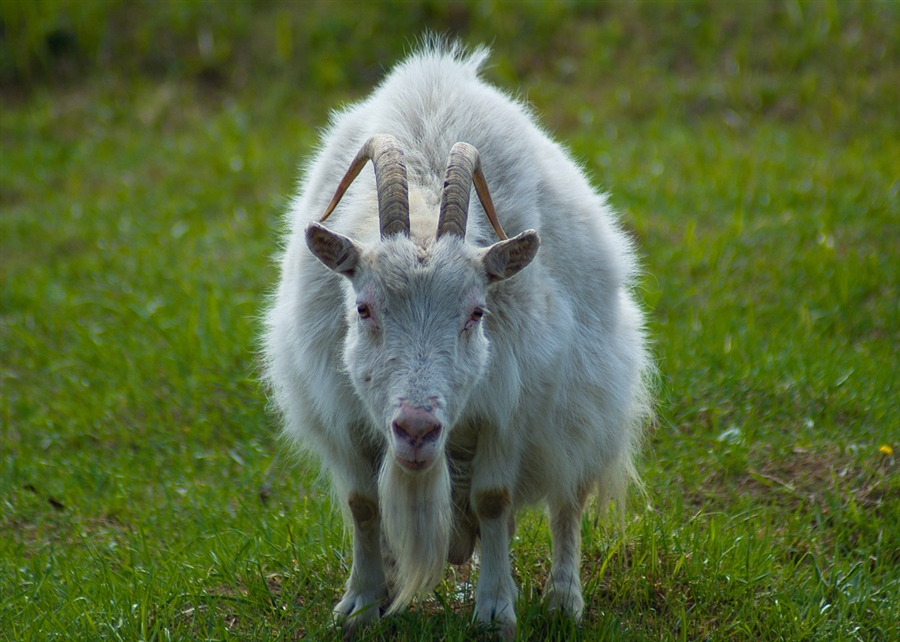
pixel 416 437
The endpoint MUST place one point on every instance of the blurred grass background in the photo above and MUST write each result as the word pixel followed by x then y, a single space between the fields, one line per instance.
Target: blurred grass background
pixel 147 153
pixel 772 59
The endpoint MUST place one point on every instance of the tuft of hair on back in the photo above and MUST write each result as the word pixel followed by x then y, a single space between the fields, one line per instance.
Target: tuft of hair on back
pixel 436 46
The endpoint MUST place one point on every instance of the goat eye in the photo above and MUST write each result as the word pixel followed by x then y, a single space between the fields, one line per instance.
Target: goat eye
pixel 364 312
pixel 477 313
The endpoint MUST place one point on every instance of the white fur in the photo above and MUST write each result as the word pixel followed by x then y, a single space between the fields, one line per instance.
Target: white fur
pixel 545 398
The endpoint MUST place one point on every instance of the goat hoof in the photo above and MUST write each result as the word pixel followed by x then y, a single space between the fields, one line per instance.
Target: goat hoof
pixel 355 610
pixel 499 616
pixel 566 598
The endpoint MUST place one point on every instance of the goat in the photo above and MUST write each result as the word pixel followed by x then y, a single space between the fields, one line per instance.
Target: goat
pixel 446 378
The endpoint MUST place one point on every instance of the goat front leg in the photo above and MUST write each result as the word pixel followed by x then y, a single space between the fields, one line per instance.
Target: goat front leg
pixel 367 587
pixel 563 591
pixel 495 595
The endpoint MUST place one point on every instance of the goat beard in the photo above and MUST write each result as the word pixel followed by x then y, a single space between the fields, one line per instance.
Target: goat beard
pixel 416 518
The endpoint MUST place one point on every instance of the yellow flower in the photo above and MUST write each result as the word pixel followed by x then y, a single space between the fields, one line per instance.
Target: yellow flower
pixel 885 449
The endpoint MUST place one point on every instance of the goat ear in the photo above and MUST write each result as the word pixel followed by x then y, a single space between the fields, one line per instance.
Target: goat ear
pixel 337 252
pixel 507 258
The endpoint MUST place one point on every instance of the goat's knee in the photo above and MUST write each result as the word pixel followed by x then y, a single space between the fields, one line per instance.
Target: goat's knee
pixel 491 504
pixel 364 510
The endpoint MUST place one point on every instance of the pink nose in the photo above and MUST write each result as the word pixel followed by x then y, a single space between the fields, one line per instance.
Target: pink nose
pixel 416 426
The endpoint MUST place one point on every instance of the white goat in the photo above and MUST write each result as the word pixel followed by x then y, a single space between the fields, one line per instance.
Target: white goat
pixel 446 380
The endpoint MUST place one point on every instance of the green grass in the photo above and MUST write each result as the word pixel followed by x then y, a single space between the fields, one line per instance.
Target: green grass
pixel 754 152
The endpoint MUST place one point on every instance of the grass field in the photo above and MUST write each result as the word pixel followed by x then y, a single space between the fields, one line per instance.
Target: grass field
pixel 147 152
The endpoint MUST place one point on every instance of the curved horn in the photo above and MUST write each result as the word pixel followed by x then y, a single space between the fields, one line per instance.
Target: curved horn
pixel 464 167
pixel 390 181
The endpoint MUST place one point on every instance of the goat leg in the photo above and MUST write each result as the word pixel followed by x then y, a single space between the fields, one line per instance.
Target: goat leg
pixel 563 590
pixel 495 595
pixel 367 587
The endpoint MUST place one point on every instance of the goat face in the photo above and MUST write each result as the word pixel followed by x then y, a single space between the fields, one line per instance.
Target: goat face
pixel 415 345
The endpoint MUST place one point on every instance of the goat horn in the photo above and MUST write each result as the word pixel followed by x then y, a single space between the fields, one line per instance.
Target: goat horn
pixel 390 181
pixel 464 167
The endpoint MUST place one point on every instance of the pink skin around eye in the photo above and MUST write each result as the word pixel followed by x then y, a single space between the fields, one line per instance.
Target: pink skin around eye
pixel 364 311
pixel 474 317
pixel 476 312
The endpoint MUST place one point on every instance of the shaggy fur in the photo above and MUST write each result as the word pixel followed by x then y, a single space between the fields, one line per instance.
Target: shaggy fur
pixel 542 399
